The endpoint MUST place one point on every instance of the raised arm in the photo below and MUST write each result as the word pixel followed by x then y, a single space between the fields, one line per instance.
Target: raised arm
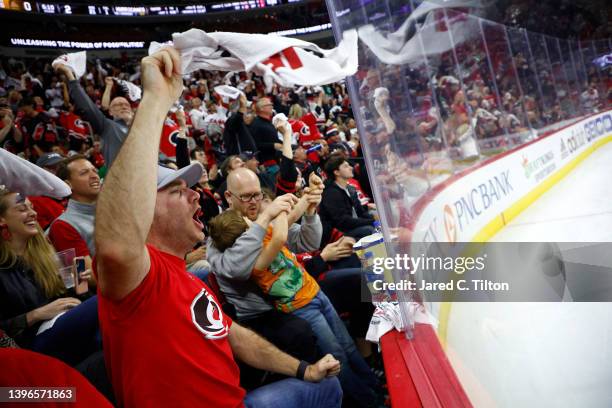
pixel 182 147
pixel 238 261
pixel 65 94
pixel 279 238
pixel 87 109
pixel 106 96
pixel 127 202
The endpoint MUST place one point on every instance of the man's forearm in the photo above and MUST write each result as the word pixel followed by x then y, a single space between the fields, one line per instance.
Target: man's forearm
pixel 106 96
pixel 5 131
pixel 257 352
pixel 86 107
pixel 127 201
pixel 17 135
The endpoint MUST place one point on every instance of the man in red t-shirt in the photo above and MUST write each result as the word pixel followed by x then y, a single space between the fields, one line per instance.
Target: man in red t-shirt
pixel 166 340
pixel 78 131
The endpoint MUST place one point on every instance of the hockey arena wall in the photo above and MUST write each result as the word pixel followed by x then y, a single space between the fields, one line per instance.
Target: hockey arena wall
pixel 474 205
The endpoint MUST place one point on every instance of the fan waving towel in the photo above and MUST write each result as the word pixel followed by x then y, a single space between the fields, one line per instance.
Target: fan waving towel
pixel 76 61
pixel 228 91
pixel 134 92
pixel 286 61
pixel 21 176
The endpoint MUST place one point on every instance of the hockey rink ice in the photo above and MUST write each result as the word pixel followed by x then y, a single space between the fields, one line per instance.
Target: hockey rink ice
pixel 543 354
pixel 577 209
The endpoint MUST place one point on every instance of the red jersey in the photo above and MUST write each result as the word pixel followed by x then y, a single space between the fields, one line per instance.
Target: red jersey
pixel 166 342
pixel 311 121
pixel 63 236
pixel 47 209
pixel 301 133
pixel 363 199
pixel 170 132
pixel 74 125
pixel 24 368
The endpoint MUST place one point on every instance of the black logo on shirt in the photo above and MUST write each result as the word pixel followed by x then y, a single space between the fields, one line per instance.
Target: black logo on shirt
pixel 208 316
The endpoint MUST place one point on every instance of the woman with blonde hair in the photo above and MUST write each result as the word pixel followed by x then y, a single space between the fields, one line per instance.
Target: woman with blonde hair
pixel 32 292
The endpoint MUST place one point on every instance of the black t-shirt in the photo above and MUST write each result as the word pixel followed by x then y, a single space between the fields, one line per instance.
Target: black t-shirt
pixel 265 135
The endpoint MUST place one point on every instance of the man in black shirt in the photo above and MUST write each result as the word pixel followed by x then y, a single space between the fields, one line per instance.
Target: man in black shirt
pixel 236 135
pixel 340 207
pixel 266 136
pixel 38 128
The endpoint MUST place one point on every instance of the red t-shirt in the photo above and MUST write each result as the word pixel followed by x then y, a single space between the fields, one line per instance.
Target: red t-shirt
pixel 74 125
pixel 311 121
pixel 301 131
pixel 167 143
pixel 166 342
pixel 47 209
pixel 24 368
pixel 63 236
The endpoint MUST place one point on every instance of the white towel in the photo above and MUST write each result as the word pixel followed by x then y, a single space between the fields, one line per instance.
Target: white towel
pixel 286 61
pixel 76 61
pixel 387 316
pixel 281 117
pixel 228 91
pixel 21 176
pixel 134 92
pixel 410 42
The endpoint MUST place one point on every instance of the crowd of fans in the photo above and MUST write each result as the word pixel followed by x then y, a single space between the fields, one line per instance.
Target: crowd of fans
pixel 496 89
pixel 281 195
pixel 289 283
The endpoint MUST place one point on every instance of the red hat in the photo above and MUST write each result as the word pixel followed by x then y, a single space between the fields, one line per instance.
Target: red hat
pixel 331 131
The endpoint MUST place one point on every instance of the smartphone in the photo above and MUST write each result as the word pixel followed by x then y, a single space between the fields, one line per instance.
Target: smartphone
pixel 80 285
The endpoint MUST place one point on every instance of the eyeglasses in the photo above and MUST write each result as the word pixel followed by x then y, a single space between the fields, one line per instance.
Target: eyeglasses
pixel 246 198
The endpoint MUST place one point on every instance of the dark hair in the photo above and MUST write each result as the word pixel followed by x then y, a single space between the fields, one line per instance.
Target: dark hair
pixel 193 152
pixel 63 172
pixel 333 164
pixel 226 164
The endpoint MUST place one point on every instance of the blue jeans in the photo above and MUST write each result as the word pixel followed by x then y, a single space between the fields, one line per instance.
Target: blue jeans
pixel 356 378
pixel 74 336
pixel 200 269
pixel 294 393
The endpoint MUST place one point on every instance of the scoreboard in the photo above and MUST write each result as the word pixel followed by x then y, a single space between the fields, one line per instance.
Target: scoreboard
pixel 133 11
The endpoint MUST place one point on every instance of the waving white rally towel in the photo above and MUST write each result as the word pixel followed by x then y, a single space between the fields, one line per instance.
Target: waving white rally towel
pixel 228 91
pixel 21 176
pixel 134 92
pixel 411 42
pixel 76 61
pixel 286 61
